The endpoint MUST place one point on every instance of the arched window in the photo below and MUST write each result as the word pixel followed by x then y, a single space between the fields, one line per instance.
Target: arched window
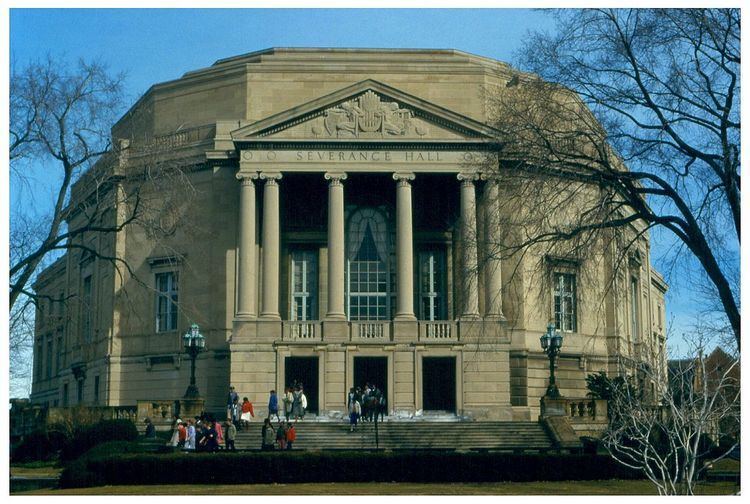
pixel 368 266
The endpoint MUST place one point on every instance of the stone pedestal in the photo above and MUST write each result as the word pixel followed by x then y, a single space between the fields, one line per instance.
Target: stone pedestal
pixel 553 407
pixel 191 408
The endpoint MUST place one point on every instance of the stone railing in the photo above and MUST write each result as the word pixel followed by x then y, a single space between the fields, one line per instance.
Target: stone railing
pixel 173 140
pixel 371 331
pixel 299 330
pixel 587 410
pixel 156 411
pixel 439 330
pixel 125 413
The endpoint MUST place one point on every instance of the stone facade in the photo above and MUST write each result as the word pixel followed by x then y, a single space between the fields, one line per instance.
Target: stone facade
pixel 330 212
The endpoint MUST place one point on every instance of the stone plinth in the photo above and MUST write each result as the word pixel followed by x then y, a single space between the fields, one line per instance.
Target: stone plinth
pixel 191 408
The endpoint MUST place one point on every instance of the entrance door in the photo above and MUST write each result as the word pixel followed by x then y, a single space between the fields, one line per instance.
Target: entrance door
pixel 439 384
pixel 303 370
pixel 372 370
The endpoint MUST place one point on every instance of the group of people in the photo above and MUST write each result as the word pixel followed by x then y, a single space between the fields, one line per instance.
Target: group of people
pixel 366 403
pixel 239 414
pixel 204 433
pixel 281 437
pixel 294 403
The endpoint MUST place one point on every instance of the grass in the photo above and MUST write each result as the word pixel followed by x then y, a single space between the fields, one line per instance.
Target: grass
pixel 607 487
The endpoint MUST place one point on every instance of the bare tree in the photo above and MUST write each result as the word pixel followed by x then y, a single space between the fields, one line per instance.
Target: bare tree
pixel 60 130
pixel 59 121
pixel 632 123
pixel 687 426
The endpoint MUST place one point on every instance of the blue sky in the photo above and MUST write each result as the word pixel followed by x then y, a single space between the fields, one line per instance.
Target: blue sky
pixel 156 45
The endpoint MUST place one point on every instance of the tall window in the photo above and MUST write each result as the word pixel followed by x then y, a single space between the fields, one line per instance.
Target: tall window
pixel 38 359
pixel 60 351
pixel 166 301
pixel 564 289
pixel 304 285
pixel 50 355
pixel 96 389
pixel 80 391
pixel 65 395
pixel 634 325
pixel 87 308
pixel 368 274
pixel 432 285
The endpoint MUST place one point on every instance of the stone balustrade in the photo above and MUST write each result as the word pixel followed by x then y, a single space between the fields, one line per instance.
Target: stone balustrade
pixel 437 331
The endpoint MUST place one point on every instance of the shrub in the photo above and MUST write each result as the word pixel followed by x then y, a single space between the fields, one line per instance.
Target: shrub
pixel 101 432
pixel 39 445
pixel 306 467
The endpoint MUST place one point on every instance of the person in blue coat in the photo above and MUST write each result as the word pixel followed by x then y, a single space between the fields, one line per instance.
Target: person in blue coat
pixel 273 406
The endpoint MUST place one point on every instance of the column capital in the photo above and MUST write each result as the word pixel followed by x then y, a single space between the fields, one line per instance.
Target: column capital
pixel 403 177
pixel 246 178
pixel 467 177
pixel 492 177
pixel 335 178
pixel 271 178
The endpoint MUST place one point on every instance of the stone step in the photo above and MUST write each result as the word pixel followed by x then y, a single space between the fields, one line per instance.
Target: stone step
pixel 412 435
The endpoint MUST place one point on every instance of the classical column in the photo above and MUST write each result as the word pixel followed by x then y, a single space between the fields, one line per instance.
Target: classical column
pixel 270 299
pixel 493 279
pixel 335 246
pixel 404 248
pixel 469 270
pixel 246 277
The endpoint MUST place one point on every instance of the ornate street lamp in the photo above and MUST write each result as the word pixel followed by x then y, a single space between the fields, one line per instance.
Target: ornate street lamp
pixel 551 342
pixel 194 343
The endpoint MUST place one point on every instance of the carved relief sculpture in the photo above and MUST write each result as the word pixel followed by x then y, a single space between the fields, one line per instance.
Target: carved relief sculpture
pixel 368 117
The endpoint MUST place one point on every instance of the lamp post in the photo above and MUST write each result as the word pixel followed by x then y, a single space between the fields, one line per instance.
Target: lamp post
pixel 551 342
pixel 194 343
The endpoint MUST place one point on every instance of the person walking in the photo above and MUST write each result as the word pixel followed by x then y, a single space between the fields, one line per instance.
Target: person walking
pixel 355 410
pixel 232 397
pixel 273 406
pixel 181 435
pixel 291 435
pixel 297 403
pixel 268 436
pixel 247 413
pixel 288 400
pixel 211 442
pixel 219 433
pixel 175 432
pixel 190 442
pixel 150 429
pixel 303 401
pixel 281 436
pixel 231 435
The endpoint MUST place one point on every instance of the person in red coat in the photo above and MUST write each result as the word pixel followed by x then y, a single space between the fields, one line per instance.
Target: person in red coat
pixel 291 435
pixel 247 412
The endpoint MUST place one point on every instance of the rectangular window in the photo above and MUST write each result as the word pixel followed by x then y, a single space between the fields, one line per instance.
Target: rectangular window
pixel 65 395
pixel 38 360
pixel 60 352
pixel 432 285
pixel 96 390
pixel 50 355
pixel 564 288
pixel 304 285
pixel 86 308
pixel 80 391
pixel 634 325
pixel 166 301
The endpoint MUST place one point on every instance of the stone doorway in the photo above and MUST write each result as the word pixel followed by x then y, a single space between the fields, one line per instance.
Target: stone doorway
pixel 439 384
pixel 372 370
pixel 303 370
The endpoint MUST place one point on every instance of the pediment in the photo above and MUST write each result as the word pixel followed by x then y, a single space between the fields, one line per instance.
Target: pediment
pixel 368 111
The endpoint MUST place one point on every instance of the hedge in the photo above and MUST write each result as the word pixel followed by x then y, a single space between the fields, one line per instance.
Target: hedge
pixel 101 432
pixel 307 467
pixel 39 445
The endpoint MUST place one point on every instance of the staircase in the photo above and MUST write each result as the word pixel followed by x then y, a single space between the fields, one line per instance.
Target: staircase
pixel 461 436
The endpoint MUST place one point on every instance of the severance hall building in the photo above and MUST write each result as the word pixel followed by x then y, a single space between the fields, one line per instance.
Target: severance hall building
pixel 323 215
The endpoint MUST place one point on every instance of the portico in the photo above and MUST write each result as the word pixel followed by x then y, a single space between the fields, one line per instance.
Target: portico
pixel 364 269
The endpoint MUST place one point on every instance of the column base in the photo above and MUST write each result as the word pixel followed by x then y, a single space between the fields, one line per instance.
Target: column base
pixel 495 318
pixel 270 316
pixel 405 317
pixel 335 317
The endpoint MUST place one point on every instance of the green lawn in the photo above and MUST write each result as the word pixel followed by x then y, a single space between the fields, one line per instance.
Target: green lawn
pixel 608 487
